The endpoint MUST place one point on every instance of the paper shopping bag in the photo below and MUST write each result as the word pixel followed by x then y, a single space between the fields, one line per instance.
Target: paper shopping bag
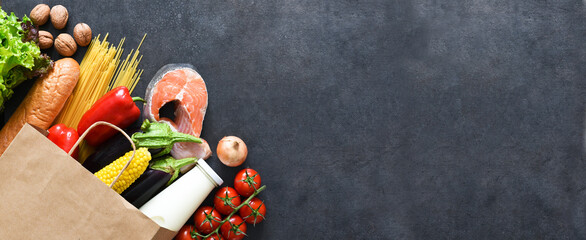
pixel 46 194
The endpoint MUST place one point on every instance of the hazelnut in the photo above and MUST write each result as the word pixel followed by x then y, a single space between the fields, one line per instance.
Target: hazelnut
pixel 40 14
pixel 82 34
pixel 65 45
pixel 45 39
pixel 59 16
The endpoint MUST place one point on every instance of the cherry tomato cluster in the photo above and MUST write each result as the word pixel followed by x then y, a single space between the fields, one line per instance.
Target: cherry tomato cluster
pixel 227 202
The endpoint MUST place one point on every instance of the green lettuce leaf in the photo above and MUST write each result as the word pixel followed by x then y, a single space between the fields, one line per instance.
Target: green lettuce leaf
pixel 20 56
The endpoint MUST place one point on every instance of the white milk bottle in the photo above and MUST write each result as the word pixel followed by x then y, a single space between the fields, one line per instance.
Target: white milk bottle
pixel 172 207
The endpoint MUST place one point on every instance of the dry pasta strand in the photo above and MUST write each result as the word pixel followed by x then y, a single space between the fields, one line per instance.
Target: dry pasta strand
pixel 127 73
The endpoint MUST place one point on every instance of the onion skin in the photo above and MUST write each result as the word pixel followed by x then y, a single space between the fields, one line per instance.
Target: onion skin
pixel 232 151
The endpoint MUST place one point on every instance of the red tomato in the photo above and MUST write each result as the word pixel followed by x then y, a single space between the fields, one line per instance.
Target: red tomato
pixel 234 229
pixel 207 219
pixel 185 233
pixel 214 237
pixel 226 200
pixel 254 212
pixel 246 182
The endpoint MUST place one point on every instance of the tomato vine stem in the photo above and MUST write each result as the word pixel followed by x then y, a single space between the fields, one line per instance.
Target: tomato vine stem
pixel 227 218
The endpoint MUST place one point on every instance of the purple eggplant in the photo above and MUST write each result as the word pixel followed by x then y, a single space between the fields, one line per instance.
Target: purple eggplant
pixel 146 186
pixel 111 150
pixel 160 173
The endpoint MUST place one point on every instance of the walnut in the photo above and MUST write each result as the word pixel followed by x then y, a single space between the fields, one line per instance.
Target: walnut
pixel 40 14
pixel 45 39
pixel 82 34
pixel 65 45
pixel 59 16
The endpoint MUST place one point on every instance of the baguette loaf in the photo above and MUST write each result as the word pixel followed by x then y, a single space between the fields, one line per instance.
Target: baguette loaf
pixel 44 100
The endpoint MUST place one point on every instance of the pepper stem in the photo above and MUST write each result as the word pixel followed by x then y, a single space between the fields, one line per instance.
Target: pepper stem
pixel 134 99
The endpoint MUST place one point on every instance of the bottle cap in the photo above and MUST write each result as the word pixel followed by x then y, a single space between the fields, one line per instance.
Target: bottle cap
pixel 209 172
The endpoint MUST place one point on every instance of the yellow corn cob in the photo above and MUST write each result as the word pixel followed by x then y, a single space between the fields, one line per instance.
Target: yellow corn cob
pixel 139 164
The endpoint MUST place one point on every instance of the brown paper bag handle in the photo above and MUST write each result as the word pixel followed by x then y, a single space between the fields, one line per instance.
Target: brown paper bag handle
pixel 119 130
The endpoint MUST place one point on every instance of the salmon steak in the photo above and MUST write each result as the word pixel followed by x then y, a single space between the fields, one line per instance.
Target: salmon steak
pixel 182 86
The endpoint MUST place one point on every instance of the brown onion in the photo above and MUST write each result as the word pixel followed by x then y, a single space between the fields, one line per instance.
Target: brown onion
pixel 232 151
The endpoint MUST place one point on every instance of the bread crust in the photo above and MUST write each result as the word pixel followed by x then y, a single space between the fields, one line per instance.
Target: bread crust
pixel 44 100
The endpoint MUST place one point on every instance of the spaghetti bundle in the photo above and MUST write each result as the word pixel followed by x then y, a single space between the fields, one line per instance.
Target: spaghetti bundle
pixel 100 71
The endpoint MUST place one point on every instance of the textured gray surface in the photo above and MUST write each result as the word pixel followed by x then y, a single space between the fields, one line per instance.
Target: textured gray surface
pixel 384 119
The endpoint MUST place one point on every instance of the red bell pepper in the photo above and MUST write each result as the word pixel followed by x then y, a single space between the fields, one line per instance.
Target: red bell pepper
pixel 116 107
pixel 64 137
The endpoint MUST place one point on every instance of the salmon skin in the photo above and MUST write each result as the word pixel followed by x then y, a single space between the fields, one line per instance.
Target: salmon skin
pixel 181 85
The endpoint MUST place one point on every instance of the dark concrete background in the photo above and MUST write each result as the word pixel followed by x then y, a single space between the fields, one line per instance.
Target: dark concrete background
pixel 383 119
